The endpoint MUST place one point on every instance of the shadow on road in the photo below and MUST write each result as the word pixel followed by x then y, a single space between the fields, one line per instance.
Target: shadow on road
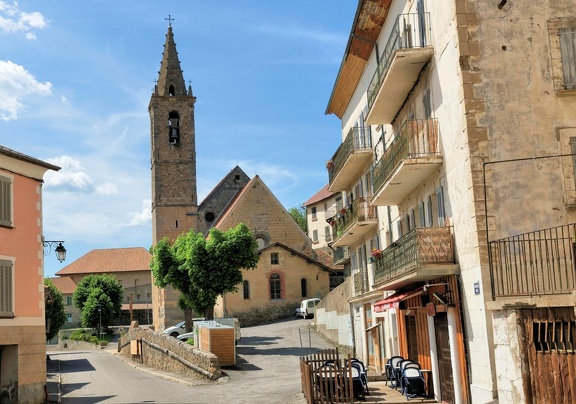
pixel 87 400
pixel 259 340
pixel 75 365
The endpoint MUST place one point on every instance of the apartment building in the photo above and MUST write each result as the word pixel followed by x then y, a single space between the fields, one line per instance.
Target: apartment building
pixel 456 172
pixel 22 310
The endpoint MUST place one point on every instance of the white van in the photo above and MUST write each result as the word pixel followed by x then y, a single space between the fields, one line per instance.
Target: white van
pixel 307 307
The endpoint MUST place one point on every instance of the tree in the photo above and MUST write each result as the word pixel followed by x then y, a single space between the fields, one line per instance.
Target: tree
pixel 204 268
pixel 98 291
pixel 298 213
pixel 55 315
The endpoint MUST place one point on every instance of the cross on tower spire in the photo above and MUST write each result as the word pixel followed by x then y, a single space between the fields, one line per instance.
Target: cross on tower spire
pixel 169 19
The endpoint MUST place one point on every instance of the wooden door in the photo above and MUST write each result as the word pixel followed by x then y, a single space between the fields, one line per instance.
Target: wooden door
pixel 412 338
pixel 444 361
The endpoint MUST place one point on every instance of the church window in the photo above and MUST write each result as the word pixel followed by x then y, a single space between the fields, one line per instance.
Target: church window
pixel 246 289
pixel 304 287
pixel 171 90
pixel 261 242
pixel 275 290
pixel 274 260
pixel 209 216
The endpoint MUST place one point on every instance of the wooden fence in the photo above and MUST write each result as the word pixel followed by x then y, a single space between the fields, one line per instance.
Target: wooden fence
pixel 326 378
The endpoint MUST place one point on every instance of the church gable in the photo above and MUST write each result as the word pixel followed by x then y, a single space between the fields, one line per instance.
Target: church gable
pixel 258 208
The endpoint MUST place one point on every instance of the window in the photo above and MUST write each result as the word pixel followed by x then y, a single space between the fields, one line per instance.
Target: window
pixel 304 287
pixel 440 204
pixel 421 215
pixel 275 292
pixel 314 217
pixel 562 36
pixel 68 300
pixel 69 317
pixel 554 336
pixel 261 243
pixel 568 54
pixel 135 282
pixel 5 201
pixel 246 289
pixel 315 236
pixel 427 104
pixel 6 289
pixel 274 260
pixel 327 233
pixel 430 209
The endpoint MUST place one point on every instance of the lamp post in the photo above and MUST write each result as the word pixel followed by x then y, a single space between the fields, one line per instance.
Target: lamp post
pixel 59 249
pixel 100 321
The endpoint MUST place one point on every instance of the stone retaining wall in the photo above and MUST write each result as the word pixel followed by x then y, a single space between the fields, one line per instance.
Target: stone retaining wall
pixel 167 353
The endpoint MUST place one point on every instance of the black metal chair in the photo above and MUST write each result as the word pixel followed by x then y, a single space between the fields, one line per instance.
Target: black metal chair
pixel 390 368
pixel 404 365
pixel 363 375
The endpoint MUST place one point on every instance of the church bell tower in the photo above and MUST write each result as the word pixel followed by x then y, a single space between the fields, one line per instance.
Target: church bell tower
pixel 173 166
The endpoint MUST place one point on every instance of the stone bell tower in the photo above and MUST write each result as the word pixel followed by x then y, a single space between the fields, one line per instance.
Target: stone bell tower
pixel 173 165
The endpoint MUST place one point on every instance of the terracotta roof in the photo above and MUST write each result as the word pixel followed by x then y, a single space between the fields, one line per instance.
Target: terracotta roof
pixel 319 196
pixel 328 260
pixel 109 260
pixel 64 284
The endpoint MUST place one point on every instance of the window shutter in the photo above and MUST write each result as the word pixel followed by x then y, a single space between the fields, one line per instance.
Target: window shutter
pixel 568 53
pixel 5 201
pixel 440 201
pixel 6 288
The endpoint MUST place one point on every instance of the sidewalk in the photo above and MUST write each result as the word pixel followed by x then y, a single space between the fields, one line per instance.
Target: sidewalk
pixel 53 381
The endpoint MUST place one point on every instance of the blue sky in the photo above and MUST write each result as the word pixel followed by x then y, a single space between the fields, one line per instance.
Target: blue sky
pixel 76 79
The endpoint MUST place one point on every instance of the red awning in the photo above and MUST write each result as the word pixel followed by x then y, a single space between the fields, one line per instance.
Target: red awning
pixel 393 301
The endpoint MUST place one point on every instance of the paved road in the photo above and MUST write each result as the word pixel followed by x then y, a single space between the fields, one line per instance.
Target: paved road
pixel 267 372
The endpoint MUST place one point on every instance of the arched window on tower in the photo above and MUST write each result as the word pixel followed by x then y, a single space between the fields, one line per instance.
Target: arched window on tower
pixel 171 90
pixel 174 127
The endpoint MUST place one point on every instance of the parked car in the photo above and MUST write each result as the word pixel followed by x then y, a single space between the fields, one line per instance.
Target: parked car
pixel 229 321
pixel 179 328
pixel 307 308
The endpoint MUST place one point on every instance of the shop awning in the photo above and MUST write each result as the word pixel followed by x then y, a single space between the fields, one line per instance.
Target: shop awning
pixel 393 301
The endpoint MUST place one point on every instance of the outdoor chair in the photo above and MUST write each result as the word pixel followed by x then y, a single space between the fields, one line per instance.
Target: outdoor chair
pixel 401 366
pixel 413 382
pixel 391 366
pixel 359 381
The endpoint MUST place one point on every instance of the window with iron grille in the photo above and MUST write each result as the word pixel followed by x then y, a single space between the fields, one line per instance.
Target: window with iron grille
pixel 554 336
pixel 6 289
pixel 275 290
pixel 5 201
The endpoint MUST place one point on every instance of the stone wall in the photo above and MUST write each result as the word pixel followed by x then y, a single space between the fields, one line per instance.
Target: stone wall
pixel 170 354
pixel 332 316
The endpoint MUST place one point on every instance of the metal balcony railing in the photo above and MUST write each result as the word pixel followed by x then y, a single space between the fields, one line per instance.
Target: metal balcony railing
pixel 359 211
pixel 416 138
pixel 536 263
pixel 420 247
pixel 358 138
pixel 341 254
pixel 409 31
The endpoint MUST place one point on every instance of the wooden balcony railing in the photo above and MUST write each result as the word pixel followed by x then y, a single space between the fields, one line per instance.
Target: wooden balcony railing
pixel 536 263
pixel 416 138
pixel 358 138
pixel 420 247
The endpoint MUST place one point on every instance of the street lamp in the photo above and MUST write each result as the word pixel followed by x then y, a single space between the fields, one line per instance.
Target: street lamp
pixel 60 250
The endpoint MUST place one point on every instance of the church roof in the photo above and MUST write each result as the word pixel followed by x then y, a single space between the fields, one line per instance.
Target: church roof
pixel 109 260
pixel 319 196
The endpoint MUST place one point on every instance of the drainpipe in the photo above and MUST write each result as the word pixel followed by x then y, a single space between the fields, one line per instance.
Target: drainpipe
pixel 454 357
pixel 434 358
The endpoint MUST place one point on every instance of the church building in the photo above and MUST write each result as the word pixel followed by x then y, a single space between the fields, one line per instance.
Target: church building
pixel 236 198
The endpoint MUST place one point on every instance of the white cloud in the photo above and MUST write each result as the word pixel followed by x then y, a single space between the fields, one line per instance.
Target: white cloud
pixel 13 20
pixel 107 189
pixel 71 175
pixel 142 217
pixel 15 85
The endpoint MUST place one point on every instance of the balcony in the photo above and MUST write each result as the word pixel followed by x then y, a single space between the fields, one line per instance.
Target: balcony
pixel 351 159
pixel 407 51
pixel 412 157
pixel 423 254
pixel 351 224
pixel 536 263
pixel 341 255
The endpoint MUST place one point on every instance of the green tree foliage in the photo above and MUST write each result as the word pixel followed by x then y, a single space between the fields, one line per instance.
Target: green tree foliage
pixel 204 268
pixel 298 213
pixel 96 291
pixel 54 314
